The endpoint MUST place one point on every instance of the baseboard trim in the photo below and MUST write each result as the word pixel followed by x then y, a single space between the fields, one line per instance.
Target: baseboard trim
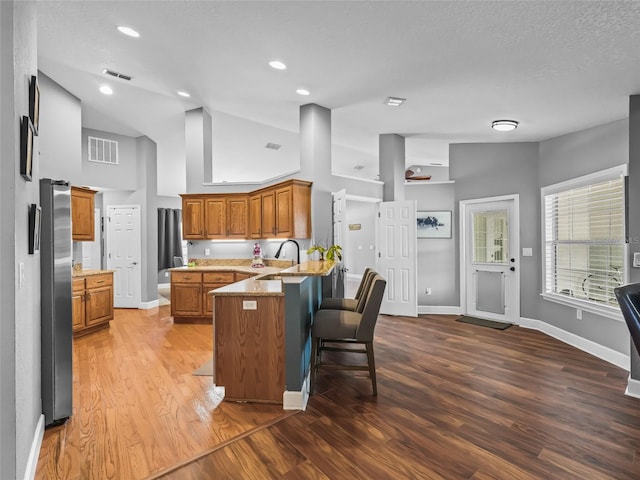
pixel 294 400
pixel 605 353
pixel 148 305
pixel 34 451
pixel 633 388
pixel 440 309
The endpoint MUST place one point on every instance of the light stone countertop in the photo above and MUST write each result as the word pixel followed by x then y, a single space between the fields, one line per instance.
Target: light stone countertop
pixel 88 273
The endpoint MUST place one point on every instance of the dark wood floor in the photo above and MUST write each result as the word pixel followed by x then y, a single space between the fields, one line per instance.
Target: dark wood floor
pixel 455 401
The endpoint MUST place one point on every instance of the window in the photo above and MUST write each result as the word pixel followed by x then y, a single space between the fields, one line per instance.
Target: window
pixel 584 241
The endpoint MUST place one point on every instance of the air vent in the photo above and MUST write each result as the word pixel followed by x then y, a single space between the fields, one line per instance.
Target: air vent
pixel 272 146
pixel 358 167
pixel 102 150
pixel 116 74
pixel 394 101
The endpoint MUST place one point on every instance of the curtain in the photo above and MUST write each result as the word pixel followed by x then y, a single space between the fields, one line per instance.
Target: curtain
pixel 169 236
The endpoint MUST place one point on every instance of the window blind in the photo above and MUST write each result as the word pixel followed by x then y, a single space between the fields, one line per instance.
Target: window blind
pixel 584 241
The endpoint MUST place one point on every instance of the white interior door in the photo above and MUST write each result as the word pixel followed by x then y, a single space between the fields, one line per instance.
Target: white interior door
pixel 491 267
pixel 396 240
pixel 123 254
pixel 340 237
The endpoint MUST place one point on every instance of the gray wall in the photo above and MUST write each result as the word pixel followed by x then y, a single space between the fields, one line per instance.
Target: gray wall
pixel 563 158
pixel 122 176
pixel 634 208
pixel 494 169
pixel 436 258
pixel 20 394
pixel 60 142
pixel 358 252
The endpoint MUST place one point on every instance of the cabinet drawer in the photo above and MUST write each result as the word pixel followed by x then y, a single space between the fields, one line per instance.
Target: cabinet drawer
pixel 217 277
pixel 77 285
pixel 95 281
pixel 186 277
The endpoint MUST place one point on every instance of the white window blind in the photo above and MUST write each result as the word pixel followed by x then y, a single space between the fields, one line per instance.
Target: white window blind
pixel 584 238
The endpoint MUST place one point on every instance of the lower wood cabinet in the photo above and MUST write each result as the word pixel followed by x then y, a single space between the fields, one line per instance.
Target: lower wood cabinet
pixel 190 299
pixel 92 303
pixel 250 348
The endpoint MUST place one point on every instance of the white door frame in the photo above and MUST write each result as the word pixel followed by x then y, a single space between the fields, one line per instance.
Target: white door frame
pixel 109 249
pixel 515 244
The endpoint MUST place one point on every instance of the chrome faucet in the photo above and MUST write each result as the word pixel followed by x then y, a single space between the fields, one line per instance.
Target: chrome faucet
pixel 282 245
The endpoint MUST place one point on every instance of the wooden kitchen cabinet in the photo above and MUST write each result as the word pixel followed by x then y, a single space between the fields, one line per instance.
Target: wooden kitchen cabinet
pixel 190 299
pixel 250 348
pixel 192 218
pixel 82 214
pixel 279 211
pixel 215 216
pixel 92 303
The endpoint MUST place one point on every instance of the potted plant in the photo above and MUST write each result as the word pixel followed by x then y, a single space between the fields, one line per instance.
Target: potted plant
pixel 333 252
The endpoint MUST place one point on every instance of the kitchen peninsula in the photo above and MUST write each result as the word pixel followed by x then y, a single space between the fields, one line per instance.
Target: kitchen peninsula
pixel 262 329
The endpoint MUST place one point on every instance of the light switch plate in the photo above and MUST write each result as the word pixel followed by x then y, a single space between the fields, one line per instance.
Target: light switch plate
pixel 249 305
pixel 636 259
pixel 527 252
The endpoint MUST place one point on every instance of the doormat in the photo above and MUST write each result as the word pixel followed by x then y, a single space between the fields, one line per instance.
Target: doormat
pixel 206 369
pixel 484 323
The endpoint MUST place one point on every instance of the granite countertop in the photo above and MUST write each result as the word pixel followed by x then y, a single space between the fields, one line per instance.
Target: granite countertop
pixel 256 286
pixel 228 268
pixel 87 273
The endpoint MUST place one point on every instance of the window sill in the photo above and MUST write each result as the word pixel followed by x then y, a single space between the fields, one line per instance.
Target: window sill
pixel 613 313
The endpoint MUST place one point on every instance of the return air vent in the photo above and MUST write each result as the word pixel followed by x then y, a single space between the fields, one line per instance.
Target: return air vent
pixel 116 74
pixel 272 146
pixel 102 150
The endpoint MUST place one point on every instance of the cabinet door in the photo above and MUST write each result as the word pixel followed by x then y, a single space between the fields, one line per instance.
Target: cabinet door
pixel 237 216
pixel 284 212
pixel 255 216
pixel 269 214
pixel 82 213
pixel 99 306
pixel 192 218
pixel 186 299
pixel 78 304
pixel 215 218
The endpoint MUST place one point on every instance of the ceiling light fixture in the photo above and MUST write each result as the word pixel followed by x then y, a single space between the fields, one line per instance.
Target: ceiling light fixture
pixel 183 94
pixel 277 65
pixel 128 31
pixel 106 89
pixel 394 101
pixel 302 91
pixel 504 125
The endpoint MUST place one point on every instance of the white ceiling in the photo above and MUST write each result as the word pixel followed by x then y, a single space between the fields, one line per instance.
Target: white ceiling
pixel 556 67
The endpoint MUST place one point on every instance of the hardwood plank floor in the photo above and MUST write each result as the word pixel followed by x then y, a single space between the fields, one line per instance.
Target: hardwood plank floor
pixel 455 401
pixel 137 408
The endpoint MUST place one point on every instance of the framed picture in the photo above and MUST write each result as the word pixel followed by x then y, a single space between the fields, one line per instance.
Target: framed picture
pixel 35 216
pixel 26 148
pixel 34 103
pixel 434 224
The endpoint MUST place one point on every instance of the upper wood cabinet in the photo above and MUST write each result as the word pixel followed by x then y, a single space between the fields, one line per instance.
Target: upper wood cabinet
pixel 82 214
pixel 215 216
pixel 278 211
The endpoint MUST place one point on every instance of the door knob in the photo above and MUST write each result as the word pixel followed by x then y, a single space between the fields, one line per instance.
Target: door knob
pixel 513 269
pixel 135 263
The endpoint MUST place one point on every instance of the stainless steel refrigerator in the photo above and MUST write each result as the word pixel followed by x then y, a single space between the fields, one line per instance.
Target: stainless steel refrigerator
pixel 55 270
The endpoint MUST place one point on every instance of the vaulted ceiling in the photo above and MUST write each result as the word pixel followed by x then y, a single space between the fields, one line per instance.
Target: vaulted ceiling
pixel 556 67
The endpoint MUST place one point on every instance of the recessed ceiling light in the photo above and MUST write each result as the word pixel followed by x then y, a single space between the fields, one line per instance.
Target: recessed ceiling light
pixel 277 65
pixel 128 31
pixel 394 101
pixel 183 94
pixel 504 125
pixel 106 89
pixel 302 91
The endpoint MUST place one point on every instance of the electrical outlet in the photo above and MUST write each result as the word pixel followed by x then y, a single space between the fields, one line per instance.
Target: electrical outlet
pixel 207 252
pixel 427 291
pixel 578 314
pixel 166 274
